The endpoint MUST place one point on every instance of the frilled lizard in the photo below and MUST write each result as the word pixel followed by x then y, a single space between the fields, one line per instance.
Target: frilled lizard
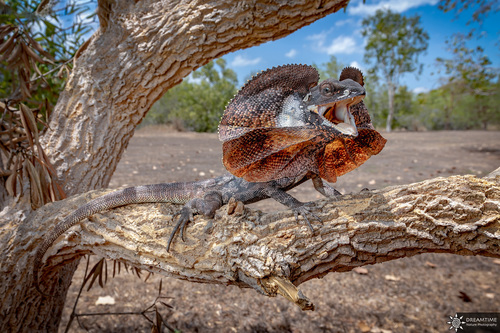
pixel 281 129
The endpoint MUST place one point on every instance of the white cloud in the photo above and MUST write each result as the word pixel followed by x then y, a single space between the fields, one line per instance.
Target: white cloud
pixel 419 90
pixel 356 65
pixel 292 53
pixel 398 6
pixel 240 61
pixel 342 44
pixel 344 22
pixel 319 38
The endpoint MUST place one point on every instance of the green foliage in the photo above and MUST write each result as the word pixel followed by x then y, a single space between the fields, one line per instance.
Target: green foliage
pixel 376 99
pixel 469 65
pixel 470 72
pixel 43 41
pixel 452 107
pixel 481 8
pixel 470 95
pixel 394 43
pixel 449 107
pixel 197 103
pixel 329 69
pixel 37 44
pixel 405 108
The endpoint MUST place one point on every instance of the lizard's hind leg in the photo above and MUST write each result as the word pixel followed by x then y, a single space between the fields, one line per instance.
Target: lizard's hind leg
pixel 207 206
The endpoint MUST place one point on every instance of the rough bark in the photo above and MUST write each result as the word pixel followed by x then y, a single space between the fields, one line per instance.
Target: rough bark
pixel 143 49
pixel 273 253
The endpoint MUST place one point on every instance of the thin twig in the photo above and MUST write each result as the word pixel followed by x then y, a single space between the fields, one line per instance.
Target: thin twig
pixel 51 71
pixel 73 312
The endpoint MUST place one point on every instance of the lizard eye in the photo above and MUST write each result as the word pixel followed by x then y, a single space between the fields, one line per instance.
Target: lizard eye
pixel 326 90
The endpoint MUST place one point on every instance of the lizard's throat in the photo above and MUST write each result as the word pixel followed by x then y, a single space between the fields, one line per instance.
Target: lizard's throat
pixel 339 116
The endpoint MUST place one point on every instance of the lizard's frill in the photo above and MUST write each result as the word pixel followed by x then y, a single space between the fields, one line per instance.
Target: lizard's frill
pixel 259 101
pixel 265 139
pixel 344 155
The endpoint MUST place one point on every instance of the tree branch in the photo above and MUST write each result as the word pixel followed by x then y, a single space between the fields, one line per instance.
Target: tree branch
pixel 458 214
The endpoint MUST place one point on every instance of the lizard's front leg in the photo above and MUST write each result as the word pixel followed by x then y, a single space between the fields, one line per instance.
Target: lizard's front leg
pixel 324 188
pixel 206 206
pixel 299 208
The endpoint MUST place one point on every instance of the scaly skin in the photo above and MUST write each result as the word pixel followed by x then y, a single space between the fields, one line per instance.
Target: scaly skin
pixel 281 124
pixel 280 130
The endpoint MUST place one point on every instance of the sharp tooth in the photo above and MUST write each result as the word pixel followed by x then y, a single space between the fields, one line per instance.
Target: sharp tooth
pixel 348 125
pixel 342 114
pixel 322 110
pixel 353 123
pixel 346 129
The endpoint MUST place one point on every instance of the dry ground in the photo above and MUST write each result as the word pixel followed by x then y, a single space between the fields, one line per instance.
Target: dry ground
pixel 408 295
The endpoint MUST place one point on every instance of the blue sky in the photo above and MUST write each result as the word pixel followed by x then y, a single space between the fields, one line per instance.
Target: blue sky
pixel 339 34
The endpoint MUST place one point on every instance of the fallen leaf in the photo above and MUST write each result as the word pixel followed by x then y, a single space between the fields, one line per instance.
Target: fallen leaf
pixel 496 261
pixel 430 264
pixel 379 330
pixel 364 327
pixel 360 270
pixel 490 295
pixel 105 300
pixel 392 278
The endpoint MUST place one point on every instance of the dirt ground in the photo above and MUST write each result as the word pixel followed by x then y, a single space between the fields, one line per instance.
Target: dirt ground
pixel 416 294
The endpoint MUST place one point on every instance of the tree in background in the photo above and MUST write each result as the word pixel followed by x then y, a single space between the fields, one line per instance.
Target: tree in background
pixel 470 72
pixel 393 46
pixel 471 77
pixel 197 103
pixel 329 69
pixel 481 9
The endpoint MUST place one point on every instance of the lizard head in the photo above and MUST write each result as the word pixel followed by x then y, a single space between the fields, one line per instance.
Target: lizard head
pixel 333 98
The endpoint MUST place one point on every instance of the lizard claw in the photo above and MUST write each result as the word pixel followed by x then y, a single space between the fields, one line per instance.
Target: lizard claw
pixel 206 206
pixel 186 216
pixel 304 210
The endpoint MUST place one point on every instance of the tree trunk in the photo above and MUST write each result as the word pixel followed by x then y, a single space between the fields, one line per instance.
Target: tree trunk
pixel 447 111
pixel 390 94
pixel 143 49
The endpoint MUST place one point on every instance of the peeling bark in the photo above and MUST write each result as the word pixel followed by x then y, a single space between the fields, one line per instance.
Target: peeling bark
pixel 458 214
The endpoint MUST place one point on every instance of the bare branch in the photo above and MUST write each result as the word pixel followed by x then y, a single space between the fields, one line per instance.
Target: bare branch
pixel 458 214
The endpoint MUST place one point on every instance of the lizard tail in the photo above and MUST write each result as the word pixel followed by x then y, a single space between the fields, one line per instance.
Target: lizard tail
pixel 178 193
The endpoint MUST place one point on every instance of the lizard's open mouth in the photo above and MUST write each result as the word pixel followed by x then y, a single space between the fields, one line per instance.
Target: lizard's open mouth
pixel 339 115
